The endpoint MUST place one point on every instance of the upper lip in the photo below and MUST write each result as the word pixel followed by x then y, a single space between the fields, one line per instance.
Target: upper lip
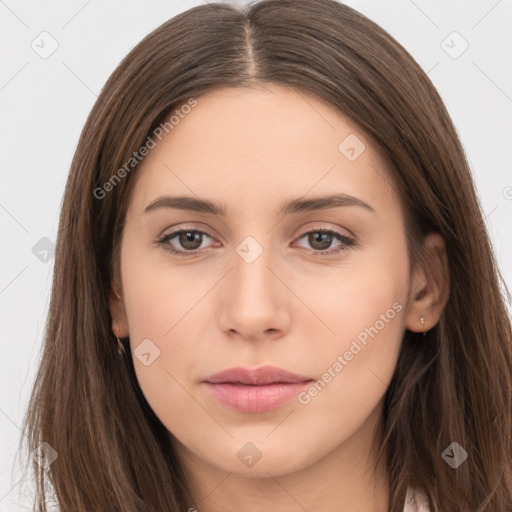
pixel 258 376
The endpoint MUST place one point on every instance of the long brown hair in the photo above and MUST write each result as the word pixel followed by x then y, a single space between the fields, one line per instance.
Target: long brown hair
pixel 452 385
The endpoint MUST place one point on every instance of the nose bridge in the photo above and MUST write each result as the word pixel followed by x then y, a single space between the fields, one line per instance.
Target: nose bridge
pixel 254 299
pixel 251 274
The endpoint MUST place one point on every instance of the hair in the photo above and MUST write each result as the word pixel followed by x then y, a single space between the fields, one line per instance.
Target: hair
pixel 454 384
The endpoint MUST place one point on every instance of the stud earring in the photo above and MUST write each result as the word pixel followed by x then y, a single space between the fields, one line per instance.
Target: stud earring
pixel 422 320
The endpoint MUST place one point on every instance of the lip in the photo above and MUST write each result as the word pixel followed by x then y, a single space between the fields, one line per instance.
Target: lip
pixel 255 391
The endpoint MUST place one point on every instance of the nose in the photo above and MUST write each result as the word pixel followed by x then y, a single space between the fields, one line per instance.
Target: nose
pixel 254 298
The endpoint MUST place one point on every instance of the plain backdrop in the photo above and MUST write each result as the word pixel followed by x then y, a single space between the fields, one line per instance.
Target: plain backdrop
pixel 465 46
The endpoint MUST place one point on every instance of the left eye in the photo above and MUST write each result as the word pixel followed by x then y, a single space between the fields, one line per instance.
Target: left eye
pixel 191 240
pixel 322 239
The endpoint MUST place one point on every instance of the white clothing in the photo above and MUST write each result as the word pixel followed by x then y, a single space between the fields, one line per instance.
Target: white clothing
pixel 415 501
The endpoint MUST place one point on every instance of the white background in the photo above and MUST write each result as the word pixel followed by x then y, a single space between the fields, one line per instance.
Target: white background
pixel 45 102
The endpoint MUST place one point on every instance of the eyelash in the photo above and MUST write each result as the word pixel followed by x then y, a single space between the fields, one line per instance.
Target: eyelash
pixel 346 242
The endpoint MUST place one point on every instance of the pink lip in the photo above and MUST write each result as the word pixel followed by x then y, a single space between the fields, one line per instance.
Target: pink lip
pixel 254 391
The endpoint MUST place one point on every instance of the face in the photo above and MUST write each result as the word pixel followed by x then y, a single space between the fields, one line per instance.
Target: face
pixel 316 289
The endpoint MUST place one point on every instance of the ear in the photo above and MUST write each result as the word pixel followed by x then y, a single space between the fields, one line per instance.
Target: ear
pixel 118 313
pixel 430 286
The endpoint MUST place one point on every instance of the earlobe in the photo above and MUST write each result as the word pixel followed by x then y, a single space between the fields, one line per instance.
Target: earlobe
pixel 118 314
pixel 430 286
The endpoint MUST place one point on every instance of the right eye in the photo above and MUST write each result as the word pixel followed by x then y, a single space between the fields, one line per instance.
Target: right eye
pixel 187 238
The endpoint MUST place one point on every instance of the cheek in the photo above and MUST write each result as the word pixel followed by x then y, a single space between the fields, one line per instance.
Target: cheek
pixel 365 308
pixel 159 296
pixel 367 325
pixel 164 311
pixel 362 299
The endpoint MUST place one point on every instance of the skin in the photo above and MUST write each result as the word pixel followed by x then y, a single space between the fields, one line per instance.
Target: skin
pixel 252 149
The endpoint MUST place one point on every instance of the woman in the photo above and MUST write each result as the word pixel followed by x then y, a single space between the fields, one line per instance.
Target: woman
pixel 273 285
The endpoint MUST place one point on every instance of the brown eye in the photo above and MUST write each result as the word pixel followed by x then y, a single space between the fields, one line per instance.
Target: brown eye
pixel 321 240
pixel 188 242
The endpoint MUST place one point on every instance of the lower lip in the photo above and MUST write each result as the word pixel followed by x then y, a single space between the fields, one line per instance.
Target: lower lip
pixel 255 399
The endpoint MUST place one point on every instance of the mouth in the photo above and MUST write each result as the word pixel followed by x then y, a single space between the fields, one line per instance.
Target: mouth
pixel 255 391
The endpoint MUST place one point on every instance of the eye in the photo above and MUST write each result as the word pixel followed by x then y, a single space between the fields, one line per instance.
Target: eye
pixel 191 241
pixel 321 240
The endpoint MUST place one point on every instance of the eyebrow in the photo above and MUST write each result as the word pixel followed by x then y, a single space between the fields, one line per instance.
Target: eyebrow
pixel 287 208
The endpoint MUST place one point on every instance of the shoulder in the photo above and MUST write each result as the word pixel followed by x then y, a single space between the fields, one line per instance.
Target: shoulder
pixel 415 501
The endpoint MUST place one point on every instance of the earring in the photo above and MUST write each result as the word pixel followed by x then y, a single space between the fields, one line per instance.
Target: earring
pixel 120 347
pixel 422 320
pixel 117 294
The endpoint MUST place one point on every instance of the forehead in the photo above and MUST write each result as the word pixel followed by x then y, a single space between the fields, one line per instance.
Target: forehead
pixel 262 122
pixel 267 142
